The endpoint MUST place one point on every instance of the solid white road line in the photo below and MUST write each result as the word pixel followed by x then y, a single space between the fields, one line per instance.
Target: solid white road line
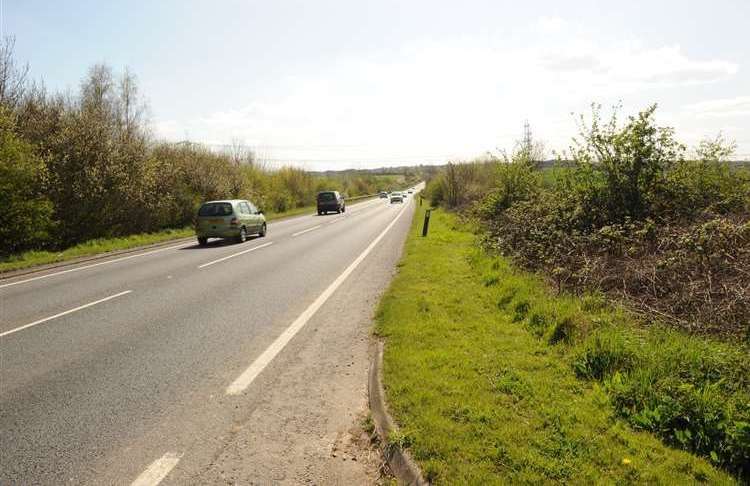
pixel 95 265
pixel 158 470
pixel 305 231
pixel 237 254
pixel 246 378
pixel 80 307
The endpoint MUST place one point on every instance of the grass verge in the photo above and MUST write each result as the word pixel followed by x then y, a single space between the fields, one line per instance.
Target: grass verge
pixel 34 258
pixel 485 372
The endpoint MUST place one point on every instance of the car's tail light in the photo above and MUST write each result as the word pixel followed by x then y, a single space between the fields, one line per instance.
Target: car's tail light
pixel 233 222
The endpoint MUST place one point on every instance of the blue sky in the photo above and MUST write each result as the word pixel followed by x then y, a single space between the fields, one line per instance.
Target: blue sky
pixel 336 84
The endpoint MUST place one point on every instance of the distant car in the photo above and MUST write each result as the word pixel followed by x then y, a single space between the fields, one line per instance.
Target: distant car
pixel 397 197
pixel 411 191
pixel 234 218
pixel 383 195
pixel 330 201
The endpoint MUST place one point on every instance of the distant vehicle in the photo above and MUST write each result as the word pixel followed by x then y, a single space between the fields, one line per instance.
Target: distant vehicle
pixel 397 197
pixel 383 195
pixel 234 218
pixel 411 191
pixel 330 201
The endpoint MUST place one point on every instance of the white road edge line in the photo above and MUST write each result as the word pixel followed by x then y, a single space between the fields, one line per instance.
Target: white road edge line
pixel 157 470
pixel 80 307
pixel 246 378
pixel 306 230
pixel 95 265
pixel 236 254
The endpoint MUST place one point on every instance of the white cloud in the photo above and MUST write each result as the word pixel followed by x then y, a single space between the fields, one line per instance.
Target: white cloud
pixel 436 99
pixel 550 24
pixel 738 106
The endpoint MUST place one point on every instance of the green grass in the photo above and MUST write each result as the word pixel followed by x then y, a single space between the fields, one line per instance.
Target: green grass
pixel 92 247
pixel 270 215
pixel 480 373
pixel 34 258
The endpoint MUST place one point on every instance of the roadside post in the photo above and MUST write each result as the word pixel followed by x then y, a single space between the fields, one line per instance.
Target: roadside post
pixel 426 225
pixel 420 199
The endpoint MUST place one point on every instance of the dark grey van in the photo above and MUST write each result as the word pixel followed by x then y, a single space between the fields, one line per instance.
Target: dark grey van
pixel 330 201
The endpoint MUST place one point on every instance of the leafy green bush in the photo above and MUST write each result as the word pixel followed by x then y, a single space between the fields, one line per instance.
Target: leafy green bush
pixel 635 220
pixel 515 181
pixel 620 169
pixel 26 214
pixel 707 184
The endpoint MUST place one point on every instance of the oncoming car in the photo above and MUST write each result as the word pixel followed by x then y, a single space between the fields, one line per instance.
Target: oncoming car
pixel 233 219
pixel 396 197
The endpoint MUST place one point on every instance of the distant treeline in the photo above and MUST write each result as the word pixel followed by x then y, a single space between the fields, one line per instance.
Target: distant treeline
pixel 83 165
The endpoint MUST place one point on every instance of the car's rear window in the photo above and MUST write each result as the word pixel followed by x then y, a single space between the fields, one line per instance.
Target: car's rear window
pixel 215 209
pixel 326 196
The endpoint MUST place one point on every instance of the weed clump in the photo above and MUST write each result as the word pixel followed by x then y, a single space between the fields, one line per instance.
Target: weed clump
pixel 694 394
pixel 521 311
pixel 603 354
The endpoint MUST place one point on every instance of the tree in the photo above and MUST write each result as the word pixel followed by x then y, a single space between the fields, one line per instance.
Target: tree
pixel 12 76
pixel 26 216
pixel 130 108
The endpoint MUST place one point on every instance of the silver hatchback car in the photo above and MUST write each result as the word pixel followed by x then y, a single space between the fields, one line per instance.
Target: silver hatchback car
pixel 232 218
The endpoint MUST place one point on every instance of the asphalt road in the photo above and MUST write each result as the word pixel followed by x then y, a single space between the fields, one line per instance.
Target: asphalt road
pixel 186 364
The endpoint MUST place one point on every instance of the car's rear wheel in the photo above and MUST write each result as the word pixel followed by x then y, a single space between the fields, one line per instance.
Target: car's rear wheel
pixel 202 240
pixel 262 231
pixel 243 235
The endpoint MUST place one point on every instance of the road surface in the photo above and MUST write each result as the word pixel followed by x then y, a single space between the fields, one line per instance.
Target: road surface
pixel 198 365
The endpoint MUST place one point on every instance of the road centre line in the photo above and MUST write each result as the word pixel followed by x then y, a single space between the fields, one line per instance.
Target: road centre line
pixel 157 470
pixel 236 254
pixel 80 307
pixel 95 265
pixel 248 376
pixel 306 230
